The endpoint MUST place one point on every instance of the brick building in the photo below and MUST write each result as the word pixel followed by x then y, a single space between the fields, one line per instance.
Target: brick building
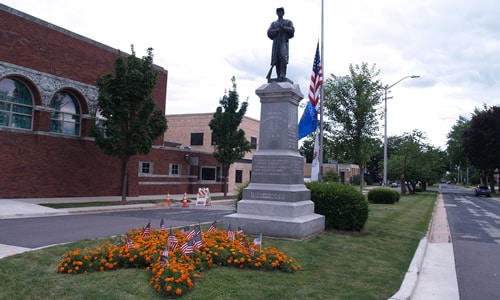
pixel 48 102
pixel 192 132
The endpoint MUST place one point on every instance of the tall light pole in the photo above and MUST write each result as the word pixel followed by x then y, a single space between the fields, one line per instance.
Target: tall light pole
pixel 385 122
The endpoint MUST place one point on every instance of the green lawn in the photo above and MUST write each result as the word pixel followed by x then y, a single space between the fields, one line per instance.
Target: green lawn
pixel 336 265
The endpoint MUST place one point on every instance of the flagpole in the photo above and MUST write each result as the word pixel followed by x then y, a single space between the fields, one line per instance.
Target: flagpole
pixel 320 152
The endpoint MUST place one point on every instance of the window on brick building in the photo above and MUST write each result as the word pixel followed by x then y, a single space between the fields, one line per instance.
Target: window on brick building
pixel 99 122
pixel 253 142
pixel 145 168
pixel 65 116
pixel 175 169
pixel 16 104
pixel 208 173
pixel 238 178
pixel 196 139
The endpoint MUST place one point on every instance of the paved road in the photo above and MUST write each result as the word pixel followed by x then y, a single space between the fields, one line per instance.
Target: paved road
pixel 475 230
pixel 40 232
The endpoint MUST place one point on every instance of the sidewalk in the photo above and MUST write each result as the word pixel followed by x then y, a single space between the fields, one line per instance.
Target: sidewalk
pixel 432 274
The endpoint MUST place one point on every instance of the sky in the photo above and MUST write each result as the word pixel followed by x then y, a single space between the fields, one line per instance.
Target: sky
pixel 452 45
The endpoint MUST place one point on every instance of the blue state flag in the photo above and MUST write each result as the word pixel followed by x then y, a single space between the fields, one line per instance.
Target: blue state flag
pixel 309 121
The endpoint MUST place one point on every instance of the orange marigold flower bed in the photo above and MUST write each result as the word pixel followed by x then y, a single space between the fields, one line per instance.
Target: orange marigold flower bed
pixel 174 274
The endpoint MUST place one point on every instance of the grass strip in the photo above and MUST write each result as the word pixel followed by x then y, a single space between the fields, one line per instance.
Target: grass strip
pixel 111 203
pixel 336 265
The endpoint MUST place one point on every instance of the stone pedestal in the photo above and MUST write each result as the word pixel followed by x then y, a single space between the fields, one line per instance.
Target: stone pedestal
pixel 276 202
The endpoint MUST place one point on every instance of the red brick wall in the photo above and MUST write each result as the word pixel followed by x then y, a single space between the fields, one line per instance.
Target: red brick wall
pixel 173 184
pixel 44 166
pixel 40 164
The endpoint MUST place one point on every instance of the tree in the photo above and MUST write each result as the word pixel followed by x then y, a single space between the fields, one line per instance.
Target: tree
pixel 131 120
pixel 481 143
pixel 455 150
pixel 231 144
pixel 374 167
pixel 307 149
pixel 414 161
pixel 350 104
pixel 454 143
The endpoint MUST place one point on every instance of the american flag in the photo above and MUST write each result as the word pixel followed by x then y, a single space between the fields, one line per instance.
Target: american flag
pixel 186 230
pixel 130 244
pixel 257 241
pixel 230 232
pixel 212 227
pixel 118 241
pixel 172 240
pixel 162 224
pixel 240 231
pixel 197 241
pixel 243 241
pixel 193 232
pixel 316 79
pixel 187 247
pixel 164 256
pixel 251 250
pixel 147 230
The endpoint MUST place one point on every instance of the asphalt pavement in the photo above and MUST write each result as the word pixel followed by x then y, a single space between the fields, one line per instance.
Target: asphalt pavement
pixel 431 274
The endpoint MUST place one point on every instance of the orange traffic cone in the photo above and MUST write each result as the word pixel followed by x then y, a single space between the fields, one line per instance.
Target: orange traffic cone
pixel 184 201
pixel 167 201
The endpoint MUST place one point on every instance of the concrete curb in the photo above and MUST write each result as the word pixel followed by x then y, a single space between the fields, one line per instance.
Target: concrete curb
pixel 411 277
pixel 410 280
pixel 92 209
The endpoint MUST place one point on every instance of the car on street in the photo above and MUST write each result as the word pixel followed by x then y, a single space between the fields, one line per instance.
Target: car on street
pixel 482 190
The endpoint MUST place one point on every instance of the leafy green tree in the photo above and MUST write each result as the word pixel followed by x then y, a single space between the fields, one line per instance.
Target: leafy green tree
pixel 307 148
pixel 350 104
pixel 414 161
pixel 455 150
pixel 454 143
pixel 481 143
pixel 231 143
pixel 374 167
pixel 132 122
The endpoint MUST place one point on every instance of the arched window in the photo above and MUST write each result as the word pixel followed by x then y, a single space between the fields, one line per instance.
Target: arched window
pixel 65 117
pixel 99 122
pixel 16 104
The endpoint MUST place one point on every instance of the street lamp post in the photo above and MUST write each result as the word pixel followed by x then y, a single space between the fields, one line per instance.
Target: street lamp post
pixel 385 122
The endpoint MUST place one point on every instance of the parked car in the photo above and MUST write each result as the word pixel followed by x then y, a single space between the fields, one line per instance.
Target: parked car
pixel 482 190
pixel 394 184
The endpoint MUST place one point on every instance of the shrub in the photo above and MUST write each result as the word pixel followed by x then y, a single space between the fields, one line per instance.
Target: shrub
pixel 331 176
pixel 239 194
pixel 344 207
pixel 383 196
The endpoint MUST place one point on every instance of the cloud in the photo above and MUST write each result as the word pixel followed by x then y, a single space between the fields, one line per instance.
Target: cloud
pixel 452 45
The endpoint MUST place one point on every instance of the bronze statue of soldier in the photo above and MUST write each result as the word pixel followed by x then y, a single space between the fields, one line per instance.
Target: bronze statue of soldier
pixel 280 32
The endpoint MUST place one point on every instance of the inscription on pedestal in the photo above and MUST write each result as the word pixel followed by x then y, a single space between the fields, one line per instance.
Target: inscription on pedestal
pixel 267 195
pixel 277 166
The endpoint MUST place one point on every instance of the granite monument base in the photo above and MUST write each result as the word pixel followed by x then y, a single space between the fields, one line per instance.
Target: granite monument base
pixel 277 218
pixel 277 203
